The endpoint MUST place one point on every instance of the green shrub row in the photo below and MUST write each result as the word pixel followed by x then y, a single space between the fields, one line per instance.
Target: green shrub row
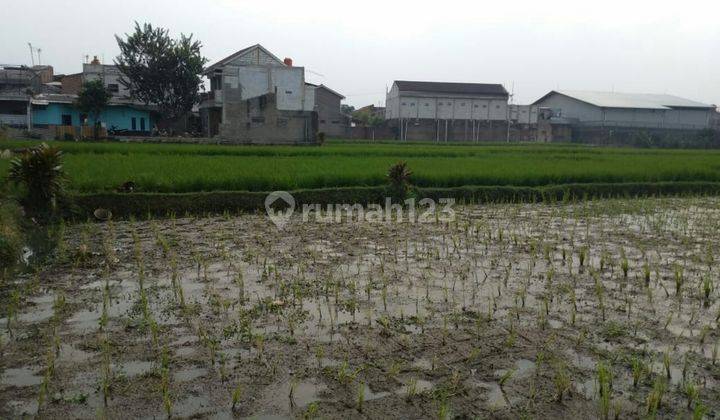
pixel 11 236
pixel 162 204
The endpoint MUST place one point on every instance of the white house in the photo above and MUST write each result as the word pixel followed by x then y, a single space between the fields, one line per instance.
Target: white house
pixel 632 110
pixel 255 81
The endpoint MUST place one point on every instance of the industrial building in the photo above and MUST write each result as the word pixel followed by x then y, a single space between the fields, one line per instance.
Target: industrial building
pixel 443 111
pixel 257 98
pixel 626 110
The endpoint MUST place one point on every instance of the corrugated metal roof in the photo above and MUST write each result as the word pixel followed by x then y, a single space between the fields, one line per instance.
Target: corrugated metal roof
pixel 632 100
pixel 452 88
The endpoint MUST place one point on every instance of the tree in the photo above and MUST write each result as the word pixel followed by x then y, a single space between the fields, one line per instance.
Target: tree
pixel 92 98
pixel 162 71
pixel 347 109
pixel 369 118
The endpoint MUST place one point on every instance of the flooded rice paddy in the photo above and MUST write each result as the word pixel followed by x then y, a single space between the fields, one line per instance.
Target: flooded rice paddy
pixel 605 309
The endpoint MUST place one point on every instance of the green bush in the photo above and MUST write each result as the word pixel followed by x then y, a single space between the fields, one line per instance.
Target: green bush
pixel 11 239
pixel 161 204
pixel 39 170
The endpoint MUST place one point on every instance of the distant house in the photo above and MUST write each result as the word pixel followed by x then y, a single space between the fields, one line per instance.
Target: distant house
pixel 444 111
pixel 18 84
pixel 626 110
pixel 257 98
pixel 331 120
pixel 32 98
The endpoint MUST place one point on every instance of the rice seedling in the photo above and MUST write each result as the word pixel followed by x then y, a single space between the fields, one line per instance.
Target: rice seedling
pixel 639 370
pixel 666 363
pixel 605 384
pixel 654 398
pixel 691 393
pixel 360 396
pixel 236 394
pixel 505 377
pixel 561 380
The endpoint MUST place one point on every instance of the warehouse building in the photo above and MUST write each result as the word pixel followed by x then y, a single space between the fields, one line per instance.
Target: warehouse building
pixel 626 110
pixel 443 111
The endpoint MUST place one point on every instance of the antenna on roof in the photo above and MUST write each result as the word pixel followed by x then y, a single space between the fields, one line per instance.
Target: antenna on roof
pixel 39 50
pixel 32 54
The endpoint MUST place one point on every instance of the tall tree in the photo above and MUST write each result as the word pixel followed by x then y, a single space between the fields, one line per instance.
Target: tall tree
pixel 92 98
pixel 162 71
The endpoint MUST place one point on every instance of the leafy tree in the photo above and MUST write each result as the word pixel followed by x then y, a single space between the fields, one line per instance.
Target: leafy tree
pixel 40 171
pixel 347 109
pixel 369 119
pixel 92 98
pixel 162 71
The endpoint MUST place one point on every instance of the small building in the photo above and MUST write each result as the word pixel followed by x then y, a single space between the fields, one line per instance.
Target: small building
pixel 257 98
pixel 626 110
pixel 118 116
pixel 331 120
pixel 33 98
pixel 443 111
pixel 17 86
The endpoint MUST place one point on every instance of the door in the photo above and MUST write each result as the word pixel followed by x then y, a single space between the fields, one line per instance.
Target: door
pixel 133 123
pixel 142 124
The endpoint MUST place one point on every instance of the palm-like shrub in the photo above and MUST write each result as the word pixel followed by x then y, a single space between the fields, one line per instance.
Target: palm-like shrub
pixel 40 171
pixel 399 177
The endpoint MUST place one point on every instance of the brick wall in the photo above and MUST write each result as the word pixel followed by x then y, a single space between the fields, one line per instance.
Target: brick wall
pixel 258 121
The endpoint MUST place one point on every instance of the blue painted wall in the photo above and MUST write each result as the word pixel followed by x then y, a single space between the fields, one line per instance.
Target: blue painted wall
pixel 118 116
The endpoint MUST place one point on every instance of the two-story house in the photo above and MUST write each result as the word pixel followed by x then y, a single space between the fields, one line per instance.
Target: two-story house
pixel 257 98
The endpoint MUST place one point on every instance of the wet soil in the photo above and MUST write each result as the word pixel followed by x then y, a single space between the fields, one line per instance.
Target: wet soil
pixel 511 311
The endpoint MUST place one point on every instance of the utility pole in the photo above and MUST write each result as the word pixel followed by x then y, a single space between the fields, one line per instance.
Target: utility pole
pixel 32 54
pixel 512 93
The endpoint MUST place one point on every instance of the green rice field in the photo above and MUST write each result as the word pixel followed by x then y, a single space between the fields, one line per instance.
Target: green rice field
pixel 98 167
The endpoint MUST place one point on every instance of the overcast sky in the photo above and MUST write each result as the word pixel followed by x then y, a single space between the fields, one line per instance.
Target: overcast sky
pixel 359 48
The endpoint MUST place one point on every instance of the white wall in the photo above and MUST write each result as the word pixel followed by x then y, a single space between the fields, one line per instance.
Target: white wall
pixel 109 75
pixel 572 108
pixel 287 82
pixel 627 117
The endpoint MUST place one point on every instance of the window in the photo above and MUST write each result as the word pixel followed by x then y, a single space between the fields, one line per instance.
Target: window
pixel 282 122
pixel 404 104
pixel 427 104
pixel 133 123
pixel 412 104
pixel 334 122
pixel 288 92
pixel 113 88
pixel 462 104
pixel 484 106
pixel 476 105
pixel 216 82
pixel 258 120
pixel 497 106
pixel 66 119
pixel 142 124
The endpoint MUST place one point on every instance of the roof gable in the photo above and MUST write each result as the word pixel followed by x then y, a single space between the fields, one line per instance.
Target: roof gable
pixel 239 55
pixel 452 88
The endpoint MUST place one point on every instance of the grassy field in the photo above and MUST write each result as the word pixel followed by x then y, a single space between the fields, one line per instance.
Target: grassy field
pixel 98 167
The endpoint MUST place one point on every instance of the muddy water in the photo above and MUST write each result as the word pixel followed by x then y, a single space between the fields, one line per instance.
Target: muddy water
pixel 493 314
